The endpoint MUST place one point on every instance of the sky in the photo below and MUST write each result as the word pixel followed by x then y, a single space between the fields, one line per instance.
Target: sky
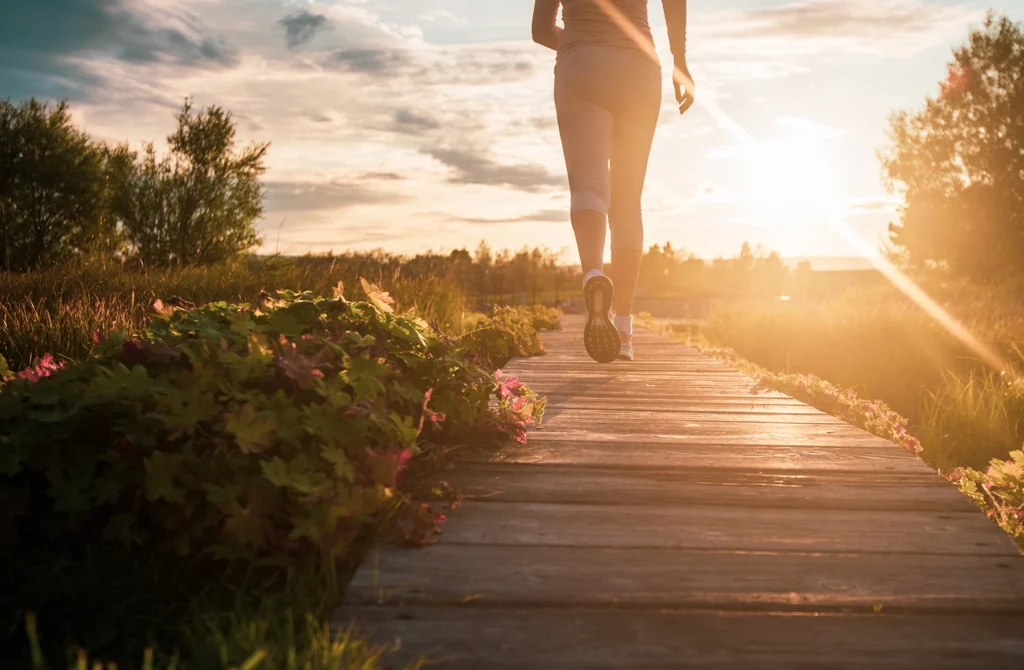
pixel 415 125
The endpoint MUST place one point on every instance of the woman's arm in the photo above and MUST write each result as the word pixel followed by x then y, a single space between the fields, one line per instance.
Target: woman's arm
pixel 675 17
pixel 545 32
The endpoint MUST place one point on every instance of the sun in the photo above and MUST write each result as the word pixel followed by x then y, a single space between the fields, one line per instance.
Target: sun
pixel 789 182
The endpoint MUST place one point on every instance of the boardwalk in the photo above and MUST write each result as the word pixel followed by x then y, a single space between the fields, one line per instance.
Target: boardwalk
pixel 663 517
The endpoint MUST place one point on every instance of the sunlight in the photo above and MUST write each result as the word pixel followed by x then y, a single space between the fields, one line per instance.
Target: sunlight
pixel 790 183
pixel 780 183
pixel 900 280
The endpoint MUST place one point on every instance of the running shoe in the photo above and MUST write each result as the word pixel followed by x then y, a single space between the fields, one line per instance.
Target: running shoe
pixel 599 334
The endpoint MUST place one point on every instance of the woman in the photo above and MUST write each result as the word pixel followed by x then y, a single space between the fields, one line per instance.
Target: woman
pixel 608 98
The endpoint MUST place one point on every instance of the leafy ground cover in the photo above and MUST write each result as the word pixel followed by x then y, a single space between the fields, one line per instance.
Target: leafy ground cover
pixel 209 481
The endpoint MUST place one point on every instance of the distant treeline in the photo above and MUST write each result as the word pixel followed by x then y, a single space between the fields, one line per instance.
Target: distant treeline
pixel 541 275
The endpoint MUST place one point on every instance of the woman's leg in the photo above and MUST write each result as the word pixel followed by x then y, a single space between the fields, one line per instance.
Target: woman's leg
pixel 586 132
pixel 632 134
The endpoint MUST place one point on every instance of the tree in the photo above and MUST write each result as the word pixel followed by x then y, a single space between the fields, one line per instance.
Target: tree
pixel 483 258
pixel 198 204
pixel 52 187
pixel 959 161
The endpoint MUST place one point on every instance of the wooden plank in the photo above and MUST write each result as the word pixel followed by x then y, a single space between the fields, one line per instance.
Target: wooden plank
pixel 834 455
pixel 712 527
pixel 723 435
pixel 573 576
pixel 611 416
pixel 673 487
pixel 720 405
pixel 575 638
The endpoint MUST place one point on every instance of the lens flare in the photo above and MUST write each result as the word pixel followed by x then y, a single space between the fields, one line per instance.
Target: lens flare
pixel 897 277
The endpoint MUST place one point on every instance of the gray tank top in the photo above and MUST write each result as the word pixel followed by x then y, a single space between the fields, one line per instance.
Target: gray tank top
pixel 587 23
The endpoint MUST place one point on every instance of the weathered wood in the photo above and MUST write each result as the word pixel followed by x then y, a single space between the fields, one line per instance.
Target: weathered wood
pixel 713 527
pixel 728 407
pixel 665 516
pixel 570 417
pixel 683 487
pixel 662 639
pixel 835 455
pixel 735 434
pixel 790 581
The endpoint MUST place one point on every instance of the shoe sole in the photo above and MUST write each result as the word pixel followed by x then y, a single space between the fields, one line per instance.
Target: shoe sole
pixel 599 334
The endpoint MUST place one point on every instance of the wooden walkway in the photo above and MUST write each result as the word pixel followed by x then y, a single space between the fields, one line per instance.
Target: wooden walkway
pixel 664 517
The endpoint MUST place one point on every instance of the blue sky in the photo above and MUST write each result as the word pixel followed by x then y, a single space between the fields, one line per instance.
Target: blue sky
pixel 428 124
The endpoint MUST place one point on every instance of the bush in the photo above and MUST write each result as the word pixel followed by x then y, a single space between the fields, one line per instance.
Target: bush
pixel 508 332
pixel 228 439
pixel 999 491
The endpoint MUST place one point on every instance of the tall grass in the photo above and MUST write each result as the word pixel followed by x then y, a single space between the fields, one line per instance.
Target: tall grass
pixel 57 310
pixel 971 419
pixel 881 345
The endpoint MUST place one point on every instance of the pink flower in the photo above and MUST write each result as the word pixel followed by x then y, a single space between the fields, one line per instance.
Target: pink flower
pixel 507 388
pixel 41 367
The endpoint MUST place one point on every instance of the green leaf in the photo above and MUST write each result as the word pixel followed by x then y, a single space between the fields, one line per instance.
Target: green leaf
pixel 161 470
pixel 365 377
pixel 254 431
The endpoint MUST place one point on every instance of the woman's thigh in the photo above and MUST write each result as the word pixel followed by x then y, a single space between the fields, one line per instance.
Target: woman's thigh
pixel 586 129
pixel 635 118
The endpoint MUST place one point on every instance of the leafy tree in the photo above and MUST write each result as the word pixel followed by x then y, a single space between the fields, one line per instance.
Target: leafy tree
pixel 52 187
pixel 959 161
pixel 199 203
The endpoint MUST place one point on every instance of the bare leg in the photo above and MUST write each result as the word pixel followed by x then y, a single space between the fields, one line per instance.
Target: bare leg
pixel 625 275
pixel 590 228
pixel 632 134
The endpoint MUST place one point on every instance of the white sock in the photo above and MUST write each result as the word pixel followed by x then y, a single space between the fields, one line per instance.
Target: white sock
pixel 623 324
pixel 590 275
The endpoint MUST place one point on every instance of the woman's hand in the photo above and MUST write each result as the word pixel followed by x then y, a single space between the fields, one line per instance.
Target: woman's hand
pixel 686 89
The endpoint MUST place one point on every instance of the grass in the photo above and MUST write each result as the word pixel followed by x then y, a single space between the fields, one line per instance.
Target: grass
pixel 880 345
pixel 57 310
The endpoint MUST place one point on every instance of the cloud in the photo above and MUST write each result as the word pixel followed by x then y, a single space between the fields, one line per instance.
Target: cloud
pixel 384 62
pixel 413 122
pixel 882 27
pixel 381 176
pixel 443 16
pixel 870 206
pixel 471 167
pixel 43 42
pixel 435 66
pixel 310 196
pixel 302 26
pixel 541 216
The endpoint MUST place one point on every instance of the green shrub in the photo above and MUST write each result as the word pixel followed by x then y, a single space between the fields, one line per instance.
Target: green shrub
pixel 226 439
pixel 999 491
pixel 508 332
